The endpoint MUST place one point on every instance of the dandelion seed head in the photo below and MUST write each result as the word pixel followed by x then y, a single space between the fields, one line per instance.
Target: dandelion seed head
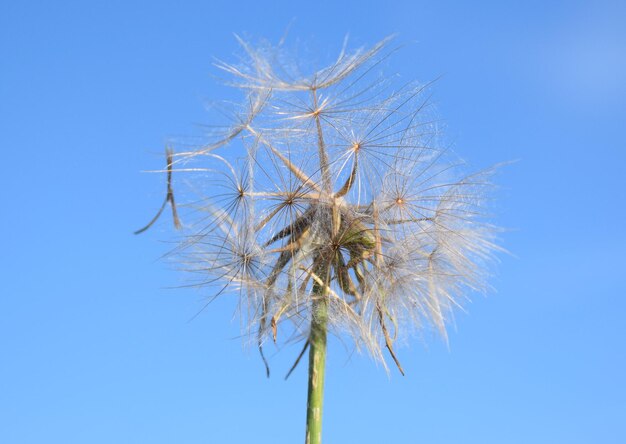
pixel 334 179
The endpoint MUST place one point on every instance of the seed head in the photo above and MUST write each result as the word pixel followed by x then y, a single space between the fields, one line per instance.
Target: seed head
pixel 334 179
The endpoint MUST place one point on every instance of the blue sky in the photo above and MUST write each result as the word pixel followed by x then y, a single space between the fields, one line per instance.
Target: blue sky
pixel 96 348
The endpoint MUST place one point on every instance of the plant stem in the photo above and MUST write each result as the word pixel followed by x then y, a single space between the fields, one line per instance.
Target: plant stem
pixel 317 365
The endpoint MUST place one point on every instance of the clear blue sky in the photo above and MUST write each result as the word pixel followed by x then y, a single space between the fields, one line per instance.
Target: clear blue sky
pixel 95 349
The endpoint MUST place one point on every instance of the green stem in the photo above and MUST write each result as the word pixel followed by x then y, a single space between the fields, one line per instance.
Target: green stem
pixel 317 365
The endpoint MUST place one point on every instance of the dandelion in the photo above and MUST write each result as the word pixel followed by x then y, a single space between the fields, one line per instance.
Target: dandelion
pixel 328 207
